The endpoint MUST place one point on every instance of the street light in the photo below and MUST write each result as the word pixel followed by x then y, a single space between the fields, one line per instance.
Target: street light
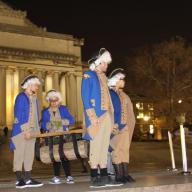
pixel 181 120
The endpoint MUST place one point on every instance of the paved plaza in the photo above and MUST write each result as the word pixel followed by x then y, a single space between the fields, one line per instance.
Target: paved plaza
pixel 149 164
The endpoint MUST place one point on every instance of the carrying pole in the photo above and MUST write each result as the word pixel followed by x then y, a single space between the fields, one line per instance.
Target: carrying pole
pixel 72 129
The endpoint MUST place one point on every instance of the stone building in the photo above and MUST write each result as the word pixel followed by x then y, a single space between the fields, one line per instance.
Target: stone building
pixel 28 49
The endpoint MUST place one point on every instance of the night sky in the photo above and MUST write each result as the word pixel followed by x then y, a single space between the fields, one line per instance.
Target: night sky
pixel 116 26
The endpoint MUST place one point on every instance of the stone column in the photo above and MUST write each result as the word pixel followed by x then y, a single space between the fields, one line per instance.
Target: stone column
pixel 63 89
pixel 56 81
pixel 9 96
pixel 22 72
pixel 48 81
pixel 2 95
pixel 16 84
pixel 80 112
pixel 72 93
pixel 67 81
pixel 40 91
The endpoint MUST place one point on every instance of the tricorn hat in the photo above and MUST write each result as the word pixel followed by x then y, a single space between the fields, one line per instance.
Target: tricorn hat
pixel 102 56
pixel 30 79
pixel 115 76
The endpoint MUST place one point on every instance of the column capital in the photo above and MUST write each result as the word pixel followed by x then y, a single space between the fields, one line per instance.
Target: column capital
pixel 10 69
pixel 49 72
pixel 3 67
pixel 57 72
pixel 22 68
pixel 30 68
pixel 40 70
pixel 70 73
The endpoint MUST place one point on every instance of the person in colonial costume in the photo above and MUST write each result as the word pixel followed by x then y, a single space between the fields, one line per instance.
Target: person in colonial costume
pixel 26 123
pixel 124 126
pixel 57 118
pixel 98 111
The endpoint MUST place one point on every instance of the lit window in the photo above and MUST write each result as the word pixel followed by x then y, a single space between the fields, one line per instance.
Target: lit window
pixel 140 116
pixel 151 113
pixel 139 106
pixel 146 118
pixel 150 107
pixel 151 129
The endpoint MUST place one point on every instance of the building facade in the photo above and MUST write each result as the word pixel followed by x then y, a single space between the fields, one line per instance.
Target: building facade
pixel 27 49
pixel 144 113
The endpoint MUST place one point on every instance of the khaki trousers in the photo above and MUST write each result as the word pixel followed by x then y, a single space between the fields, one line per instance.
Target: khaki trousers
pixel 121 145
pixel 24 153
pixel 100 143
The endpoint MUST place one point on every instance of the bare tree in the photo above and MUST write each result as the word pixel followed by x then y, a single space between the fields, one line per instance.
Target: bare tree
pixel 163 72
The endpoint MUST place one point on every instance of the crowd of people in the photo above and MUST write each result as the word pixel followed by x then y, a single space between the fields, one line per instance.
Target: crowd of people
pixel 109 121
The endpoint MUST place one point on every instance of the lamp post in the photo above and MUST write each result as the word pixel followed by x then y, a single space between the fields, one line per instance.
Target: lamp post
pixel 171 152
pixel 181 121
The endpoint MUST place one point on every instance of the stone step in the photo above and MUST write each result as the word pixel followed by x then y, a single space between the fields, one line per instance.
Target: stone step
pixel 145 182
pixel 187 187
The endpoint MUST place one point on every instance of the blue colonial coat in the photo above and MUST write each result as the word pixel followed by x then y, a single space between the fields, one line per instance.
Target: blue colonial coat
pixel 117 109
pixel 21 115
pixel 91 97
pixel 64 113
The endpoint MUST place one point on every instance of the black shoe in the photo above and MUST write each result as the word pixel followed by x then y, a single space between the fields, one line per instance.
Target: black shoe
pixel 96 183
pixel 129 179
pixel 108 182
pixel 33 183
pixel 121 180
pixel 126 173
pixel 20 184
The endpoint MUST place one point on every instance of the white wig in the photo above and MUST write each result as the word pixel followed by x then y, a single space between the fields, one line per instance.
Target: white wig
pixel 53 93
pixel 103 57
pixel 112 82
pixel 30 80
